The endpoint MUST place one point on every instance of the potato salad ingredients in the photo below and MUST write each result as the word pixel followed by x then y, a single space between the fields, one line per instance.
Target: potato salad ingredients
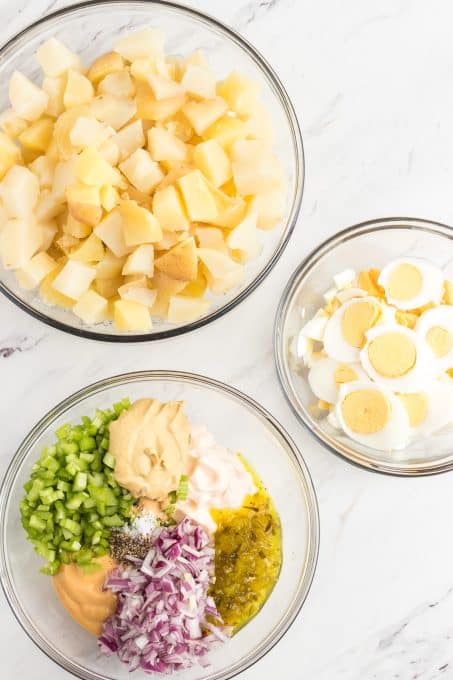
pixel 135 188
pixel 379 353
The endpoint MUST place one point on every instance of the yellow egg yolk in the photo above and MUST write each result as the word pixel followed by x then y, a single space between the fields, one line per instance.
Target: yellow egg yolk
pixel 416 405
pixel 368 281
pixel 343 374
pixel 392 354
pixel 357 320
pixel 440 341
pixel 365 411
pixel 405 282
pixel 408 319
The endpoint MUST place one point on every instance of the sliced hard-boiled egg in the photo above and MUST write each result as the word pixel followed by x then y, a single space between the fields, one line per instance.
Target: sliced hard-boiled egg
pixel 435 327
pixel 315 327
pixel 410 283
pixel 346 294
pixel 327 375
pixel 302 348
pixel 344 279
pixel 430 410
pixel 344 334
pixel 372 415
pixel 396 357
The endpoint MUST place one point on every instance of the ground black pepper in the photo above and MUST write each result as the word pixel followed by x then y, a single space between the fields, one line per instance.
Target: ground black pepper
pixel 124 543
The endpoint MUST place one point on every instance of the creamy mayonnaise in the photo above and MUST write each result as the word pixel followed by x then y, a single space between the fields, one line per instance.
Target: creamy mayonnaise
pixel 217 479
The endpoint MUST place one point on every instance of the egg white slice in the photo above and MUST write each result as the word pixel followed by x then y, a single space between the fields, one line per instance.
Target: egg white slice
pixel 321 378
pixel 395 433
pixel 439 410
pixel 431 287
pixel 422 374
pixel 438 317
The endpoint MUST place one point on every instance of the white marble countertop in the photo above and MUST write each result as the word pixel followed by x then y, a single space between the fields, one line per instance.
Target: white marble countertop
pixel 372 84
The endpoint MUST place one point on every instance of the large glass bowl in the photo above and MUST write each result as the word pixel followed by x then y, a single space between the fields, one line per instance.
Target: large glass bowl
pixel 89 29
pixel 371 244
pixel 237 422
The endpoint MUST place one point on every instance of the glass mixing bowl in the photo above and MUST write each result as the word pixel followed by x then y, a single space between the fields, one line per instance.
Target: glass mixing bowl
pixel 237 422
pixel 371 244
pixel 89 29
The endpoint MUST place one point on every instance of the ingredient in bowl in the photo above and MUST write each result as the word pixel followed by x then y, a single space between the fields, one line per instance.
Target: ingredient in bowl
pixel 165 620
pixel 136 188
pixel 383 340
pixel 149 443
pixel 81 593
pixel 72 499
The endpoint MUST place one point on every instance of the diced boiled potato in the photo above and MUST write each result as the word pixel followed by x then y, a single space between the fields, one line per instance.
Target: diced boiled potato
pixel 169 209
pixel 108 288
pixel 270 207
pixel 110 267
pixel 112 110
pixel 92 169
pixel 138 291
pixel 110 152
pixel 75 228
pixel 131 316
pixel 217 264
pixel 87 131
pixel 214 163
pixel 180 262
pixel 240 92
pixel 199 82
pixel 139 224
pixel 119 84
pixel 34 271
pixel 201 115
pixel 255 168
pixel 259 125
pixel 244 238
pixel 196 58
pixel 9 154
pixel 66 244
pixel 104 65
pixel 62 131
pixel 55 89
pixel 74 279
pixel 109 197
pixel 19 191
pixel 180 127
pixel 20 239
pixel 55 58
pixel 199 202
pixel 164 146
pixel 196 288
pixel 43 167
pixel 38 135
pixel 145 42
pixel 27 100
pixel 129 139
pixel 133 194
pixel 170 239
pixel 64 176
pixel 183 309
pixel 48 232
pixel 141 67
pixel 11 123
pixel 110 231
pixel 226 131
pixel 166 287
pixel 176 171
pixel 90 251
pixel 140 261
pixel 79 90
pixel 141 171
pixel 227 282
pixel 91 307
pixel 48 206
pixel 52 296
pixel 84 203
pixel 230 210
pixel 162 87
pixel 149 108
pixel 212 238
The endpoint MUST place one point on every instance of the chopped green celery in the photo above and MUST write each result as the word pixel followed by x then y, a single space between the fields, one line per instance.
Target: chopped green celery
pixel 43 508
pixel 104 443
pixel 87 457
pixel 71 546
pixel 69 448
pixel 109 460
pixel 33 494
pixel 183 488
pixel 75 501
pixel 49 496
pixel 91 567
pixel 80 481
pixel 113 521
pixel 68 535
pixel 63 431
pixel 96 480
pixel 84 556
pixel 45 552
pixel 71 525
pixel 87 444
pixel 37 523
pixel 100 550
pixel 92 517
pixel 97 524
pixel 45 515
pixel 96 537
pixel 51 568
pixel 63 486
pixel 89 503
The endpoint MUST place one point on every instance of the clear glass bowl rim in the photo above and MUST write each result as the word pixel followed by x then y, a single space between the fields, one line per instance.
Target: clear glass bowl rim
pixel 195 379
pixel 285 101
pixel 346 452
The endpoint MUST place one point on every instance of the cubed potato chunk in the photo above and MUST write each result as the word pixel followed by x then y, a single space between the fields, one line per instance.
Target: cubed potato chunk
pixel 140 261
pixel 240 92
pixel 270 207
pixel 119 84
pixel 105 65
pixel 214 163
pixel 244 238
pixel 52 296
pixel 43 167
pixel 75 228
pixel 212 238
pixel 62 131
pixel 27 100
pixel 110 266
pixel 180 262
pixel 20 239
pixel 139 224
pixel 12 124
pixel 55 58
pixel 84 203
pixel 163 88
pixel 199 82
pixel 90 251
pixel 87 131
pixel 255 169
pixel 149 108
pixel 138 291
pixel 183 309
pixel 218 264
pixel 141 171
pixel 110 152
pixel 109 197
pixel 74 279
pixel 55 89
pixel 110 231
pixel 169 209
pixel 9 154
pixel 38 135
pixel 129 139
pixel 226 131
pixel 91 307
pixel 201 115
pixel 164 146
pixel 90 168
pixel 131 316
pixel 108 288
pixel 48 232
pixel 19 191
pixel 112 110
pixel 226 283
pixel 166 287
pixel 199 202
pixel 48 206
pixel 35 270
pixel 145 42
pixel 79 90
pixel 64 176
